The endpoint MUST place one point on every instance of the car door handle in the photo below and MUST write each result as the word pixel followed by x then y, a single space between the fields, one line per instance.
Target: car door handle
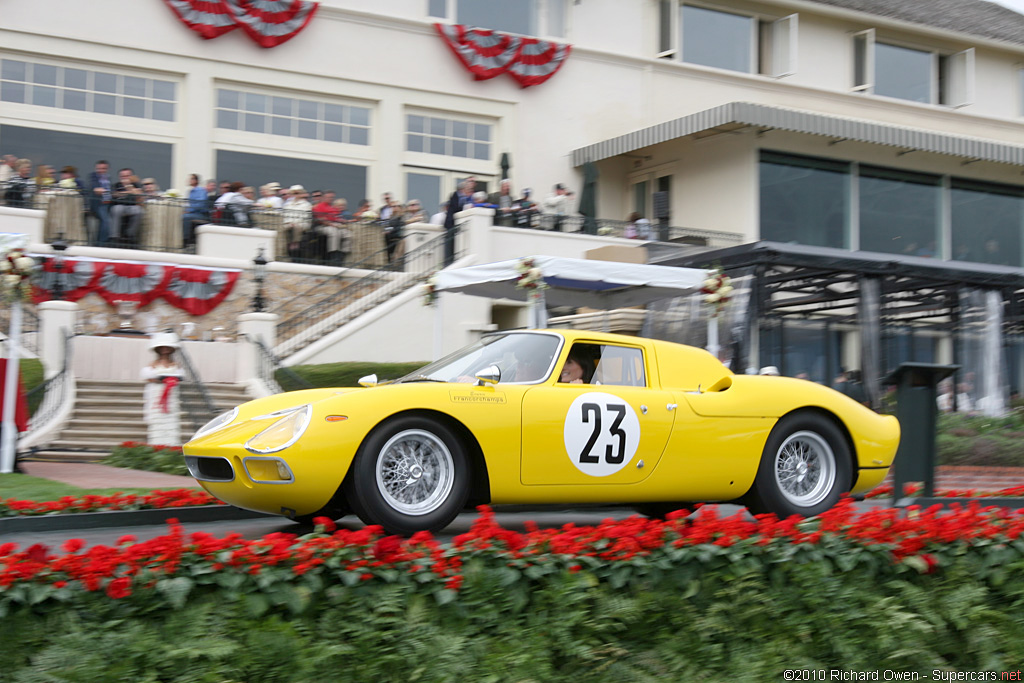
pixel 671 406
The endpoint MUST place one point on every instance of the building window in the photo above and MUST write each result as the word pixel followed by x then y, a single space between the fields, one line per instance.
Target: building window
pixel 986 222
pixel 805 200
pixel 913 74
pixel 525 17
pixel 727 40
pixel 101 92
pixel 448 137
pixel 293 117
pixel 899 211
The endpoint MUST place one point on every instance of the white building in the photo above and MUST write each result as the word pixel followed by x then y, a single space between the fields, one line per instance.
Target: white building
pixel 894 127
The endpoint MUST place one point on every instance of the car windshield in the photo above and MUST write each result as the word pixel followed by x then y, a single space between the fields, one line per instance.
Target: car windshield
pixel 522 357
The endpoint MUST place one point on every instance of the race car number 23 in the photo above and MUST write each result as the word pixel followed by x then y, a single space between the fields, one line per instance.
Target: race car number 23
pixel 601 433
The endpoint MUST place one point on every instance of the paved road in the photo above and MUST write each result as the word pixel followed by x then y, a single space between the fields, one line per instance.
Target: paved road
pixel 256 528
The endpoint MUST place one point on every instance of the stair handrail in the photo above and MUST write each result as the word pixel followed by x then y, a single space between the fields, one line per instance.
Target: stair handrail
pixel 268 365
pixel 369 262
pixel 57 393
pixel 202 408
pixel 426 258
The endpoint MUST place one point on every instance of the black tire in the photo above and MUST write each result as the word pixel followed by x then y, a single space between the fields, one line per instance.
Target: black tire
pixel 431 460
pixel 805 467
pixel 661 510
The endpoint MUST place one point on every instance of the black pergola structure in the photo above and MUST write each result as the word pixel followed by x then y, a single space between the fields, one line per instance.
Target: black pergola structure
pixel 881 296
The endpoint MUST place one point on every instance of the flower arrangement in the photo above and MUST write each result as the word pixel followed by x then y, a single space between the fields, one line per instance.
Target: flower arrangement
pixel 68 184
pixel 157 500
pixel 369 215
pixel 15 272
pixel 604 230
pixel 530 277
pixel 717 289
pixel 430 290
pixel 172 194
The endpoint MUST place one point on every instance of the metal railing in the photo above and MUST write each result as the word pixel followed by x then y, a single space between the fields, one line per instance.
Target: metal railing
pixel 51 395
pixel 363 294
pixel 270 372
pixel 196 402
pixel 302 236
pixel 605 227
pixel 29 329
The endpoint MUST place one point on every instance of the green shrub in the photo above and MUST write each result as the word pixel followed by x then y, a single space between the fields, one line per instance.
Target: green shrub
pixel 140 456
pixel 345 374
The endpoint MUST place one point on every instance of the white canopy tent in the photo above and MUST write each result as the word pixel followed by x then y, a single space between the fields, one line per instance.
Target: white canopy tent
pixel 573 282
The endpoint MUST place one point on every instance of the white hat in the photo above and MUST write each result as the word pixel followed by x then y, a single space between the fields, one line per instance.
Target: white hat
pixel 165 339
pixel 296 188
pixel 769 370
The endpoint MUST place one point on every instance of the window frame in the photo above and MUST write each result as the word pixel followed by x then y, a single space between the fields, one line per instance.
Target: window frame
pixel 90 90
pixel 767 33
pixel 542 13
pixel 947 88
pixel 294 117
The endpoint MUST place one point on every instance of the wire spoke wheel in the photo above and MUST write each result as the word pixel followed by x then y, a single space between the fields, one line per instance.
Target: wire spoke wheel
pixel 415 472
pixel 805 468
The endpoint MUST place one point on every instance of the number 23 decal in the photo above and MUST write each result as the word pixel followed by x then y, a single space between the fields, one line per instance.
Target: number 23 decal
pixel 601 433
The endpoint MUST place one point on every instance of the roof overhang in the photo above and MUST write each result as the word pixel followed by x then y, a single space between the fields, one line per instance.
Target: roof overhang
pixel 743 114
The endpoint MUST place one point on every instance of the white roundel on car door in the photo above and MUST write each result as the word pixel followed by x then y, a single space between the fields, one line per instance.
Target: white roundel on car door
pixel 601 432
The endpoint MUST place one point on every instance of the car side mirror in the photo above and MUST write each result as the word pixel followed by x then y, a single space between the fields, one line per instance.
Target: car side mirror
pixel 368 381
pixel 489 375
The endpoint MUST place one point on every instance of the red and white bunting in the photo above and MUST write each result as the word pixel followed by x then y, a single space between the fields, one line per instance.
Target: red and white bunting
pixel 199 290
pixel 487 54
pixel 484 53
pixel 538 61
pixel 208 19
pixel 268 22
pixel 196 291
pixel 272 22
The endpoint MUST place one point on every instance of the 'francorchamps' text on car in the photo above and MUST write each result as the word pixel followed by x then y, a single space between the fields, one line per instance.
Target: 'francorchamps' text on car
pixel 540 417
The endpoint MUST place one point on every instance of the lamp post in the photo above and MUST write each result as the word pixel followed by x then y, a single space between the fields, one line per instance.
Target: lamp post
pixel 259 272
pixel 59 246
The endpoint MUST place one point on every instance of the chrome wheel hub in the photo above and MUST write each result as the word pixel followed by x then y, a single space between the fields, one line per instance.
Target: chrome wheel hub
pixel 805 468
pixel 415 472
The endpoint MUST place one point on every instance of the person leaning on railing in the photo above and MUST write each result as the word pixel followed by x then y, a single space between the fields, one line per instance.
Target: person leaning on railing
pixel 21 188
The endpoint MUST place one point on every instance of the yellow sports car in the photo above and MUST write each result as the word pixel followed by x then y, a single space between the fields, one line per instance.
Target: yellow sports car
pixel 541 417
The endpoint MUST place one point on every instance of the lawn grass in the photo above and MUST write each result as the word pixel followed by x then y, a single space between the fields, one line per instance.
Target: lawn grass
pixel 24 487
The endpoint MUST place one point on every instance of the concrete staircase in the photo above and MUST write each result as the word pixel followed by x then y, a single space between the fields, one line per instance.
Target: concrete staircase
pixel 109 412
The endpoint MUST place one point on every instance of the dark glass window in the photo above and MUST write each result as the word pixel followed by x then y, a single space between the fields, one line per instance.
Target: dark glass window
pixel 512 16
pixel 719 39
pixel 986 223
pixel 348 180
pixel 899 211
pixel 804 200
pixel 904 73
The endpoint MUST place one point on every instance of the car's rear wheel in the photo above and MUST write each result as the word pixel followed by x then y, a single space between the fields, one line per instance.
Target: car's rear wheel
pixel 805 467
pixel 411 474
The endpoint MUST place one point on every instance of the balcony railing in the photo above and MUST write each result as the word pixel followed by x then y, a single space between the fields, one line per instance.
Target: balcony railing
pixel 165 223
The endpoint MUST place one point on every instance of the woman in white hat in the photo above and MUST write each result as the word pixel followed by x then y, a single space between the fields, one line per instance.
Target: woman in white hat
pixel 161 407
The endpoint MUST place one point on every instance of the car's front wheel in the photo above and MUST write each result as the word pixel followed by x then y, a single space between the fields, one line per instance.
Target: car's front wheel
pixel 411 474
pixel 805 467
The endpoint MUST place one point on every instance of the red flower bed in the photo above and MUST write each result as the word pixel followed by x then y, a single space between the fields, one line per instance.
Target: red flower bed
pixel 889 540
pixel 911 490
pixel 175 498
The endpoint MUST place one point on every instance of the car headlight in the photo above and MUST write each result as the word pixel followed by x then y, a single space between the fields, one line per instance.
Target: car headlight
pixel 219 422
pixel 283 433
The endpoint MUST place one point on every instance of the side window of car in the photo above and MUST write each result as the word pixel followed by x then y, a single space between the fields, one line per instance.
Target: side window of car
pixel 621 365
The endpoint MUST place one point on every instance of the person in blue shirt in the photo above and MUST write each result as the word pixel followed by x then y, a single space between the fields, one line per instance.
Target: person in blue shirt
pixel 198 210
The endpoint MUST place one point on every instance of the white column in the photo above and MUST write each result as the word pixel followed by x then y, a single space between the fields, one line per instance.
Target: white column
pixel 475 236
pixel 56 319
pixel 262 326
pixel 9 437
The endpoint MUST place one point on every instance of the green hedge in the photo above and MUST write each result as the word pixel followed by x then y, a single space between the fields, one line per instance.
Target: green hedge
pixel 734 623
pixel 345 374
pixel 967 440
pixel 139 456
pixel 710 599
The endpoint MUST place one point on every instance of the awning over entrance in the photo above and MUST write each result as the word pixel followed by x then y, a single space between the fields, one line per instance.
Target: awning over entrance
pixel 737 115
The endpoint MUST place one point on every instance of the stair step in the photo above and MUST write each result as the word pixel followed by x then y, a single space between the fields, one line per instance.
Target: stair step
pixel 57 455
pixel 86 444
pixel 111 432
